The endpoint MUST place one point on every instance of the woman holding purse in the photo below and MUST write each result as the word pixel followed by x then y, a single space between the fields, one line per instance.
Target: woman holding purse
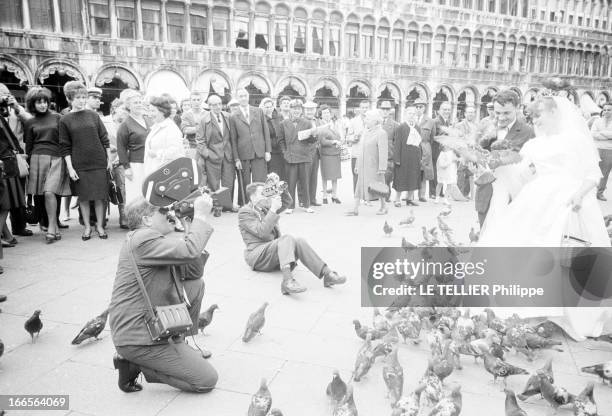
pixel 371 164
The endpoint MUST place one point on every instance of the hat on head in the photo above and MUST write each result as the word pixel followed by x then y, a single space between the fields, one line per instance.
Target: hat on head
pixel 490 105
pixel 94 91
pixel 309 104
pixel 420 101
pixel 296 103
pixel 386 105
pixel 233 102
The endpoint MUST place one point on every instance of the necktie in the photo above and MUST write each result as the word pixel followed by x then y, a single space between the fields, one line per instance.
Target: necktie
pixel 246 113
pixel 220 122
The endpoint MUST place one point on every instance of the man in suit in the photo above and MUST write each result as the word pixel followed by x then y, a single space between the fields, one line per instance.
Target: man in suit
pixel 215 148
pixel 509 137
pixel 389 125
pixel 267 250
pixel 442 120
pixel 428 130
pixel 250 140
pixel 190 120
pixel 298 155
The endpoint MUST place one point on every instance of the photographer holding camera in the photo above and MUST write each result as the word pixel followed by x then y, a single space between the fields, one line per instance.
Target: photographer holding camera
pixel 160 270
pixel 267 250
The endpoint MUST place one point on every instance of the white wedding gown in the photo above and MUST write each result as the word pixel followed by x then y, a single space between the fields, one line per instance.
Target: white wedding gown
pixel 539 215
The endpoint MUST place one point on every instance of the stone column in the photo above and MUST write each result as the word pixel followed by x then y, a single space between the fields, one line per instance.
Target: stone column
pixel 272 37
pixel 113 19
pixel 57 21
pixel 341 44
pixel 187 22
pixel 230 41
pixel 251 30
pixel 325 39
pixel 308 36
pixel 289 39
pixel 139 34
pixel 402 107
pixel 84 16
pixel 25 11
pixel 164 21
pixel 342 108
pixel 209 25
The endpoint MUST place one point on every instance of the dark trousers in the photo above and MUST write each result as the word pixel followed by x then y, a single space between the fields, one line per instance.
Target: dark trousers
pixel 435 152
pixel 314 175
pixel 253 170
pixel 176 364
pixel 298 172
pixel 353 164
pixel 220 173
pixel 287 250
pixel 41 210
pixel 18 221
pixel 277 165
pixel 605 165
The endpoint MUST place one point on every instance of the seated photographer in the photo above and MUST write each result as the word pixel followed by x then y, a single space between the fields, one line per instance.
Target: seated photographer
pixel 268 250
pixel 158 254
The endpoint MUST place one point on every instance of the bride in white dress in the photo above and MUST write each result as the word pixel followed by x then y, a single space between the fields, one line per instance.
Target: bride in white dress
pixel 559 199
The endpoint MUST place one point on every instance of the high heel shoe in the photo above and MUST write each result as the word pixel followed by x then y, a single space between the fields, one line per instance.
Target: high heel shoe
pixel 336 200
pixel 128 374
pixel 86 235
pixel 50 238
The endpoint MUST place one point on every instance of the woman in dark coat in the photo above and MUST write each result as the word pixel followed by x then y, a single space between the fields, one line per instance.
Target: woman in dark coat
pixel 407 158
pixel 331 169
pixel 48 180
pixel 277 161
pixel 86 149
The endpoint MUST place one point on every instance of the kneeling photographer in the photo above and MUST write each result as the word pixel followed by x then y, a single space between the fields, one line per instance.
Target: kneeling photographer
pixel 266 249
pixel 156 299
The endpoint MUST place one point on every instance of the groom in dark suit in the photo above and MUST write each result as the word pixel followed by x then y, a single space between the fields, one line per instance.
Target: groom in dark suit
pixel 508 138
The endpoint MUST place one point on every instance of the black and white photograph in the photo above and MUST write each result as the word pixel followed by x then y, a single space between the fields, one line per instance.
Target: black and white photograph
pixel 306 207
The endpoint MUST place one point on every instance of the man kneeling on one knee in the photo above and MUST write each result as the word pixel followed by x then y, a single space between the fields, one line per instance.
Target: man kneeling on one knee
pixel 161 257
pixel 268 250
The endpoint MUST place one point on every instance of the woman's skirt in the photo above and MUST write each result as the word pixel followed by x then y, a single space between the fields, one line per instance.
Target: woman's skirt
pixel 331 168
pixel 12 193
pixel 48 174
pixel 133 187
pixel 92 185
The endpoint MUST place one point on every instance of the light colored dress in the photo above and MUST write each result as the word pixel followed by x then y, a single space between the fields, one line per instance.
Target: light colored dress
pixel 446 166
pixel 164 144
pixel 371 159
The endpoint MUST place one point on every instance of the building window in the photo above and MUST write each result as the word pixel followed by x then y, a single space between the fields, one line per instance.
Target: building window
pixel 480 5
pixel 552 16
pixel 100 20
pixel 439 50
pixel 451 51
pixel 151 18
pixel 476 49
pixel 532 58
pixel 488 54
pixel 510 56
pixel 280 37
pixel 199 24
pixel 70 16
pixel 261 33
pixel 41 15
pixel 513 8
pixel 467 4
pixel 398 40
pixel 579 20
pixel 334 41
pixel 525 11
pixel 491 6
pixel 596 23
pixel 299 36
pixel 10 14
pixel 317 40
pixel 441 2
pixel 542 14
pixel 176 22
pixel 588 22
pixel 367 42
pixel 220 24
pixel 520 58
pixel 604 25
pixel 464 52
pixel 542 59
pixel 425 49
pixel 241 29
pixel 411 47
pixel 351 41
pixel 503 6
pixel 570 19
pixel 561 16
pixel 126 22
pixel 382 43
pixel 499 55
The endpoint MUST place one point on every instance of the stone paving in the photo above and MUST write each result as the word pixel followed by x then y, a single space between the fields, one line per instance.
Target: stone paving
pixel 304 339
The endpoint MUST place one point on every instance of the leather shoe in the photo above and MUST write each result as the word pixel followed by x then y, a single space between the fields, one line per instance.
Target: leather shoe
pixel 2 298
pixel 411 203
pixel 62 225
pixel 24 233
pixel 206 354
pixel 601 197
pixel 422 200
pixel 128 374
pixel 332 278
pixel 289 286
pixel 315 204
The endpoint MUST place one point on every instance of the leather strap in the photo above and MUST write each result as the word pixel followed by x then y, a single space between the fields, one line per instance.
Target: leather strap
pixel 138 276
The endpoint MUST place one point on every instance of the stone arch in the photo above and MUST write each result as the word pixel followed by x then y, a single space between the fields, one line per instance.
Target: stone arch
pixel 59 65
pixel 518 92
pixel 281 9
pixel 530 95
pixel 327 90
pixel 602 98
pixel 443 91
pixel 298 85
pixel 319 14
pixel 256 84
pixel 112 79
pixel 330 83
pixel 166 79
pixel 21 71
pixel 395 91
pixel 466 96
pixel 356 91
pixel 300 13
pixel 417 90
pixel 487 96
pixel 214 81
pixel 368 19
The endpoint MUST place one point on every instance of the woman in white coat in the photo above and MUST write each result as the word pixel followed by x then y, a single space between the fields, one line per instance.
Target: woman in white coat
pixel 165 140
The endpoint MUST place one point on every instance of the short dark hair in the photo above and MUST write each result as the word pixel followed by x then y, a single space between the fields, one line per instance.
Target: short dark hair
pixel 35 94
pixel 163 104
pixel 284 98
pixel 323 108
pixel 72 88
pixel 507 96
pixel 252 188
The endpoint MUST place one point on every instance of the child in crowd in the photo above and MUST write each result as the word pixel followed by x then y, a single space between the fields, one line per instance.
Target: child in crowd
pixel 446 168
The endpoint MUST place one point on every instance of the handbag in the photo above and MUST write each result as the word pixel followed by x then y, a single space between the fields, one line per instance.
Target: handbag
pixel 379 189
pixel 30 212
pixel 572 245
pixel 163 322
pixel 115 196
pixel 22 165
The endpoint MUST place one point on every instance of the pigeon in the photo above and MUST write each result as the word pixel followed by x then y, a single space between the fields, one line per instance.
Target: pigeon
pixel 494 322
pixel 432 392
pixel 336 389
pixel 33 325
pixel 387 229
pixel 474 236
pixel 497 350
pixel 450 405
pixel 255 323
pixel 499 368
pixel 443 226
pixel 444 364
pixel 379 322
pixel 407 246
pixel 409 220
pixel 516 338
pixel 385 346
pixel 410 328
pixel 275 412
pixel 464 324
pixel 92 329
pixel 535 341
pixel 532 387
pixel 364 359
pixel 584 403
pixel 206 317
pixel 511 406
pixel 555 396
pixel 428 237
pixel 363 330
pixel 347 406
pixel 393 375
pixel 409 406
pixel 446 211
pixel 261 401
pixel 603 370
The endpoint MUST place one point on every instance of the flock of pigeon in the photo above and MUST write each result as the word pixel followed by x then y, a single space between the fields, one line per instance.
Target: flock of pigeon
pixel 449 333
